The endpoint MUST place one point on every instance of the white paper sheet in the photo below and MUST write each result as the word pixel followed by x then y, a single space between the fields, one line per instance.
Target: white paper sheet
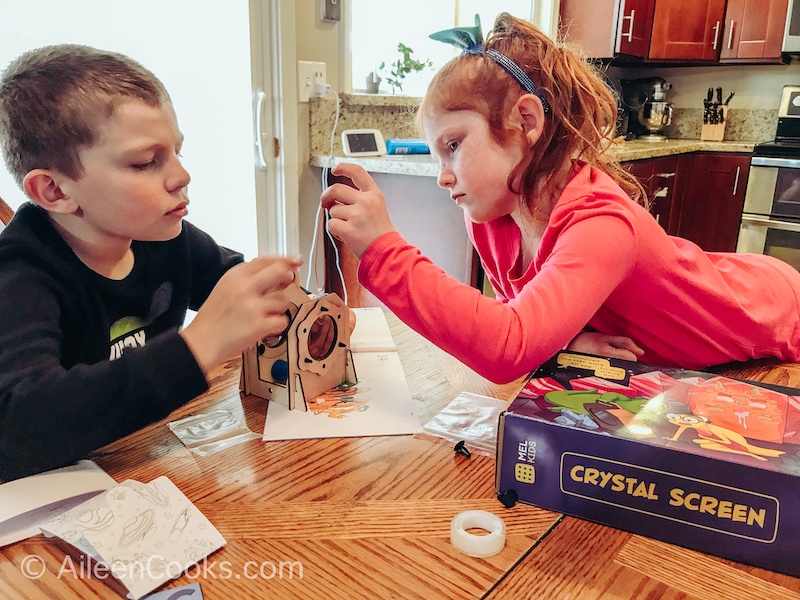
pixel 379 404
pixel 27 502
pixel 145 534
pixel 372 333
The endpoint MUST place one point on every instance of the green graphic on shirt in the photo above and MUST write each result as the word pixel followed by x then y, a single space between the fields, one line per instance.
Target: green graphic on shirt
pixel 126 325
pixel 129 332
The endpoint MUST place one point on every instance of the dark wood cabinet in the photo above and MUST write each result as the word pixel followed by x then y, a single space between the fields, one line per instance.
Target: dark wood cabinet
pixel 635 26
pixel 676 31
pixel 753 30
pixel 662 181
pixel 712 201
pixel 687 30
pixel 697 196
pixel 608 28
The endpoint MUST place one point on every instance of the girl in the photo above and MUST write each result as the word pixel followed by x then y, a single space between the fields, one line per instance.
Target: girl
pixel 520 127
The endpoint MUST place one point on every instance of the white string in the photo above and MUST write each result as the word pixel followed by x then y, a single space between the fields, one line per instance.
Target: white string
pixel 314 241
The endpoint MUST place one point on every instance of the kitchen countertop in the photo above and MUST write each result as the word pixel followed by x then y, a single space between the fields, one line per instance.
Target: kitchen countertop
pixel 425 165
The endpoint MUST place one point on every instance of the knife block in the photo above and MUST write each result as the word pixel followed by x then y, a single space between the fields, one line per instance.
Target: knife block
pixel 715 132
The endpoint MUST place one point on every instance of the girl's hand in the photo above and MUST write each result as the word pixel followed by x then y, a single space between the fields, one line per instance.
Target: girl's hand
pixel 613 346
pixel 358 215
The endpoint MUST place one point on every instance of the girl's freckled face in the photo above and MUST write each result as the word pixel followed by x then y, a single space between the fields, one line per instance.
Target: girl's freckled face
pixel 472 165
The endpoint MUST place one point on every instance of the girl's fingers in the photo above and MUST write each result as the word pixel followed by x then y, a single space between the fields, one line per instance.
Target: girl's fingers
pixel 626 343
pixel 357 174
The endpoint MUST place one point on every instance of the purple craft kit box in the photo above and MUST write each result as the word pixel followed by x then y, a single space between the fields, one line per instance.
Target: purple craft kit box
pixel 686 457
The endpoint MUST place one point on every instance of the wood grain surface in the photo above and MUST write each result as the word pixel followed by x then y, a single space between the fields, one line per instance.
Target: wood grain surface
pixel 331 518
pixel 370 517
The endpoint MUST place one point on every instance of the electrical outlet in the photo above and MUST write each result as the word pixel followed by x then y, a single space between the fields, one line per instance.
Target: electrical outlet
pixel 309 74
pixel 331 10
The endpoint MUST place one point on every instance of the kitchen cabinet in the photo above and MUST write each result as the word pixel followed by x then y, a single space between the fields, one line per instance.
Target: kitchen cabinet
pixel 606 28
pixel 662 179
pixel 753 30
pixel 712 201
pixel 687 30
pixel 647 30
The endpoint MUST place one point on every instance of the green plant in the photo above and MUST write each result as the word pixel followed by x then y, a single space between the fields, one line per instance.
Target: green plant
pixel 403 66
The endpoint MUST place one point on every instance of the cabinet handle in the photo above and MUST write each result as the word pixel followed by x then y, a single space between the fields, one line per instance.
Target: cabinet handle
pixel 716 36
pixel 730 35
pixel 736 180
pixel 666 175
pixel 629 35
pixel 261 161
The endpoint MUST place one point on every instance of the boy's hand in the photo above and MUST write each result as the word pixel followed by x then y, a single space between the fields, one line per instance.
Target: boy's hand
pixel 612 346
pixel 358 215
pixel 247 304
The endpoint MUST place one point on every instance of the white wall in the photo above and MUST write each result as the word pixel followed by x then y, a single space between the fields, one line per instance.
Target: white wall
pixel 201 51
pixel 756 86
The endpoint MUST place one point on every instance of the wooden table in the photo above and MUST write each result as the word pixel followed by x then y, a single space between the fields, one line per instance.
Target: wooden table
pixel 370 517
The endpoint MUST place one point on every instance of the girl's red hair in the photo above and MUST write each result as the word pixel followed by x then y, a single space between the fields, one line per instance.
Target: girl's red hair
pixel 580 126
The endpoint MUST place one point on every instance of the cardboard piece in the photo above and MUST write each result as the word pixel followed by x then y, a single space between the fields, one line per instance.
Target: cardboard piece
pixel 142 534
pixel 311 357
pixel 686 457
pixel 185 592
pixel 27 502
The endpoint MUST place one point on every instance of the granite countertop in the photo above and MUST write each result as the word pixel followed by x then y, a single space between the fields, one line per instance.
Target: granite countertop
pixel 425 165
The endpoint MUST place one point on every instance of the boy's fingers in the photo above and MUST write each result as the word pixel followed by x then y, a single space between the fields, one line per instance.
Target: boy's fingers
pixel 273 274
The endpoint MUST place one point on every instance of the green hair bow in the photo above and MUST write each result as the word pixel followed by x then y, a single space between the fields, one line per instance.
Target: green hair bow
pixel 470 41
pixel 461 37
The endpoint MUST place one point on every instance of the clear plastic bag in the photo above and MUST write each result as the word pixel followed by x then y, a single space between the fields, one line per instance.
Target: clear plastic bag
pixel 470 418
pixel 208 433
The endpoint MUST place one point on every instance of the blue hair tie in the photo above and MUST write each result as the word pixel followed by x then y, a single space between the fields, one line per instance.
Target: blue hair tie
pixel 512 69
pixel 470 40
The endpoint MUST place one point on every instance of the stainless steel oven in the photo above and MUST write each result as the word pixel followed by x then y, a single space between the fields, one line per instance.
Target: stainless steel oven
pixel 771 216
pixel 791 33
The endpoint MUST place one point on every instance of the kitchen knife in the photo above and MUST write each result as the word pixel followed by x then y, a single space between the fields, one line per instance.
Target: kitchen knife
pixel 719 95
pixel 729 98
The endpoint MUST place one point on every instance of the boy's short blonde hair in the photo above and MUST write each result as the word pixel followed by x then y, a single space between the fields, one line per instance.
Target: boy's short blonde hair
pixel 52 100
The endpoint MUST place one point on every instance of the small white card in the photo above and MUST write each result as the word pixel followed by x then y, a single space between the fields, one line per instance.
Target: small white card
pixel 27 502
pixel 145 534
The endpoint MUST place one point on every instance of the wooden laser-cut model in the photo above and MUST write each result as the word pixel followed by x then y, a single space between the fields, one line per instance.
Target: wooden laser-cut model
pixel 309 358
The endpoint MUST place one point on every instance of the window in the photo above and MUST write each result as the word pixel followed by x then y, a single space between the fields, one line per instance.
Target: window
pixel 377 26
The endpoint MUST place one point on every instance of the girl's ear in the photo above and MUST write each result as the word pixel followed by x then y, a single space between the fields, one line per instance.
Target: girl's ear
pixel 530 112
pixel 43 187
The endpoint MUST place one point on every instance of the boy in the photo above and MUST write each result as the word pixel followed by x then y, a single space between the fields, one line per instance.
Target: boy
pixel 97 271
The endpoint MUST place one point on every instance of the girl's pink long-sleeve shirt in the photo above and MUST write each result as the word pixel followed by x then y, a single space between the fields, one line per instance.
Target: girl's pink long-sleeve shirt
pixel 605 263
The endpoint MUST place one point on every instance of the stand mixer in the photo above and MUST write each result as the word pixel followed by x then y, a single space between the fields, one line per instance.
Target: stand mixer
pixel 650 111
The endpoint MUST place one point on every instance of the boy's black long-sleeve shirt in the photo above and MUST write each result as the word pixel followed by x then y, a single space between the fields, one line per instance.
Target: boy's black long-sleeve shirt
pixel 85 360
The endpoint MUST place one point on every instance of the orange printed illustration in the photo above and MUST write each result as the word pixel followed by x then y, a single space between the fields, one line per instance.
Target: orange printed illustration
pixel 749 410
pixel 714 437
pixel 338 402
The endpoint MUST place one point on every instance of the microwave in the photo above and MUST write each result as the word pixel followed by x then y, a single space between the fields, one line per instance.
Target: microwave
pixel 791 35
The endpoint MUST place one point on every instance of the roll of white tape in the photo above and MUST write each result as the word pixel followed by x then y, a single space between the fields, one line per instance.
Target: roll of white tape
pixel 478 545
